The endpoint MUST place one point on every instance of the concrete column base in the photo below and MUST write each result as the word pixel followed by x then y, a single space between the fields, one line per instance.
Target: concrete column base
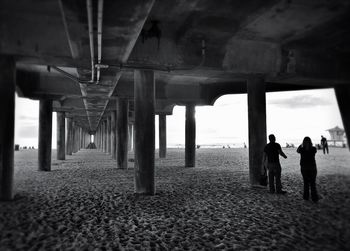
pixel 7 126
pixel 342 92
pixel 122 133
pixel 144 128
pixel 162 136
pixel 109 134
pixel 61 136
pixel 257 126
pixel 69 143
pixel 190 136
pixel 113 135
pixel 45 135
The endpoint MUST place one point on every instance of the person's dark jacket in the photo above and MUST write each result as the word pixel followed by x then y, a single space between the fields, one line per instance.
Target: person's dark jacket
pixel 307 160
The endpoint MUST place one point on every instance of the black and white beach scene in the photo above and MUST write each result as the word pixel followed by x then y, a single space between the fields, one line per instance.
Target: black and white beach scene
pixel 174 125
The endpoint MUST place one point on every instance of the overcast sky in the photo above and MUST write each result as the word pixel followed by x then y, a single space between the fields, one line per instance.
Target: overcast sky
pixel 290 116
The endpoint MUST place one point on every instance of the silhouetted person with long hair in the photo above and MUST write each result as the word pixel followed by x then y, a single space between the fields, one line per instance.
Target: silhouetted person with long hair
pixel 271 154
pixel 308 168
pixel 324 145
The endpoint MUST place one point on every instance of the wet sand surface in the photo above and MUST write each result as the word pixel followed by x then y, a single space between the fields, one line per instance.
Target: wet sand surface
pixel 85 203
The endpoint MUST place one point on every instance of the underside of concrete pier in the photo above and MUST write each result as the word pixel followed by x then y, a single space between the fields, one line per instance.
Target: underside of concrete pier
pixel 134 59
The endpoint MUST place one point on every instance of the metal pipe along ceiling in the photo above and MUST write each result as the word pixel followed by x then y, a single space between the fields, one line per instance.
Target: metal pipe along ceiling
pixel 99 36
pixel 91 38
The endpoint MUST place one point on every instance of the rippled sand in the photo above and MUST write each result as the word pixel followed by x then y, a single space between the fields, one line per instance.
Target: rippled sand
pixel 86 203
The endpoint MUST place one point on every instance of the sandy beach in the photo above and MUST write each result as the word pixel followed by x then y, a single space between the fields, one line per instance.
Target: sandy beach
pixel 85 203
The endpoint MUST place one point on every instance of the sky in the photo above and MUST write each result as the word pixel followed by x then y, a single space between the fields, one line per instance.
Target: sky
pixel 290 116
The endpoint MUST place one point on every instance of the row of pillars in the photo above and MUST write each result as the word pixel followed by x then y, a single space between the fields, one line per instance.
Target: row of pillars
pixel 77 137
pixel 113 135
pixel 116 128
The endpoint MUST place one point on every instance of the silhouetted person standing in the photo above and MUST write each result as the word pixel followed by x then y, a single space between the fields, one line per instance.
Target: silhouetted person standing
pixel 271 152
pixel 324 145
pixel 308 168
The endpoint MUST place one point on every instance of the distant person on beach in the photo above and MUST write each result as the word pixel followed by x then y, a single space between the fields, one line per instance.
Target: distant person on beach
pixel 324 145
pixel 271 155
pixel 308 168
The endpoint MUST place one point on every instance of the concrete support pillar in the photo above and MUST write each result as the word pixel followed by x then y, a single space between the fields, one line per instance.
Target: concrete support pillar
pixel 69 143
pixel 7 126
pixel 98 139
pixel 190 136
pixel 74 138
pixel 342 92
pixel 83 145
pixel 86 139
pixel 95 138
pixel 109 134
pixel 257 126
pixel 61 136
pixel 77 141
pixel 144 94
pixel 102 136
pixel 122 133
pixel 105 136
pixel 130 137
pixel 113 135
pixel 45 135
pixel 81 138
pixel 162 135
pixel 133 137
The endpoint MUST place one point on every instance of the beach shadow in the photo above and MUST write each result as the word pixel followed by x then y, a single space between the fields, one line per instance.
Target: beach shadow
pixel 16 199
pixel 55 170
pixel 175 167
